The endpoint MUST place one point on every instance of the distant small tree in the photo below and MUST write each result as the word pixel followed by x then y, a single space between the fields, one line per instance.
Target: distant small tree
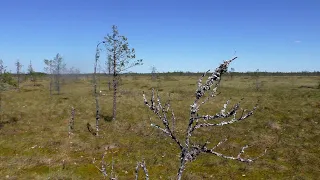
pixel 19 66
pixel 256 75
pixel 49 70
pixel 59 67
pixel 2 71
pixel 120 58
pixel 73 72
pixel 153 72
pixel 55 67
pixel 32 73
pixel 231 72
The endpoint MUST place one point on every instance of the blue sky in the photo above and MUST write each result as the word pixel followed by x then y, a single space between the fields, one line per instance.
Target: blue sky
pixel 274 35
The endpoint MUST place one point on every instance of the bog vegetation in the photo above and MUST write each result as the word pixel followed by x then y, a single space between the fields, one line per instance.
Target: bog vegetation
pixel 46 122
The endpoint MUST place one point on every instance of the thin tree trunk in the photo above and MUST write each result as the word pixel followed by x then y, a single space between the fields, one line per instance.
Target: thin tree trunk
pixel 18 74
pixel 97 107
pixel 114 113
pixel 58 78
pixel 50 87
pixel 71 122
pixel 58 83
pixel 1 98
pixel 0 102
pixel 109 74
pixel 97 116
pixel 51 79
pixel 1 86
pixel 96 94
pixel 182 164
pixel 109 83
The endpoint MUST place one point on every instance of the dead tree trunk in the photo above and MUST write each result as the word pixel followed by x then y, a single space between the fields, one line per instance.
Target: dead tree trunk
pixel 71 122
pixel 96 96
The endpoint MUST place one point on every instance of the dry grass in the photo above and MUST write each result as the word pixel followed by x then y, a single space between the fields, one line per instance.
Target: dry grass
pixel 34 141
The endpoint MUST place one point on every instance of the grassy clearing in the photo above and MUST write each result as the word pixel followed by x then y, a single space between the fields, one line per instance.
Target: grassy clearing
pixel 34 141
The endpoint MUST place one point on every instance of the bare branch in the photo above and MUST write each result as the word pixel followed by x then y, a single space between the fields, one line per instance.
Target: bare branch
pixel 190 152
pixel 173 121
pixel 103 169
pixel 239 158
pixel 144 167
pixel 233 120
pixel 162 115
pixel 222 113
pixel 200 79
pixel 219 143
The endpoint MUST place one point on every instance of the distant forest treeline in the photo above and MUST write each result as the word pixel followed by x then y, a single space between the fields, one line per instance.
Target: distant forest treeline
pixel 303 73
pixel 180 73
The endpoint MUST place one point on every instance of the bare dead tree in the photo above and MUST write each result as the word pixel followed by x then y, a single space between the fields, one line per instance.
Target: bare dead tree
pixel 96 95
pixel 144 167
pixel 153 72
pixel 190 151
pixel 71 121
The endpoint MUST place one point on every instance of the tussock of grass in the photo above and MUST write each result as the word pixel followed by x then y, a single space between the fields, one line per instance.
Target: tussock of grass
pixel 34 141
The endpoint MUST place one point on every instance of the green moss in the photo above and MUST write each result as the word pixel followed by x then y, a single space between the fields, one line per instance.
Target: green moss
pixel 39 169
pixel 86 171
pixel 292 139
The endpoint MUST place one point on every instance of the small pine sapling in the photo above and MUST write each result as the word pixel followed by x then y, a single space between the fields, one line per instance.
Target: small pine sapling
pixel 31 73
pixel 19 66
pixel 153 73
pixel 120 58
pixel 49 70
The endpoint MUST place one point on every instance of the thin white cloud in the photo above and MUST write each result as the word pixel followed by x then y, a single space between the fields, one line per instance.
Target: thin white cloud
pixel 297 41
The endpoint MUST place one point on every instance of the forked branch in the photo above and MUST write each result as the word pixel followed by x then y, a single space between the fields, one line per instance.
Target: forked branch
pixel 144 167
pixel 162 113
pixel 190 152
